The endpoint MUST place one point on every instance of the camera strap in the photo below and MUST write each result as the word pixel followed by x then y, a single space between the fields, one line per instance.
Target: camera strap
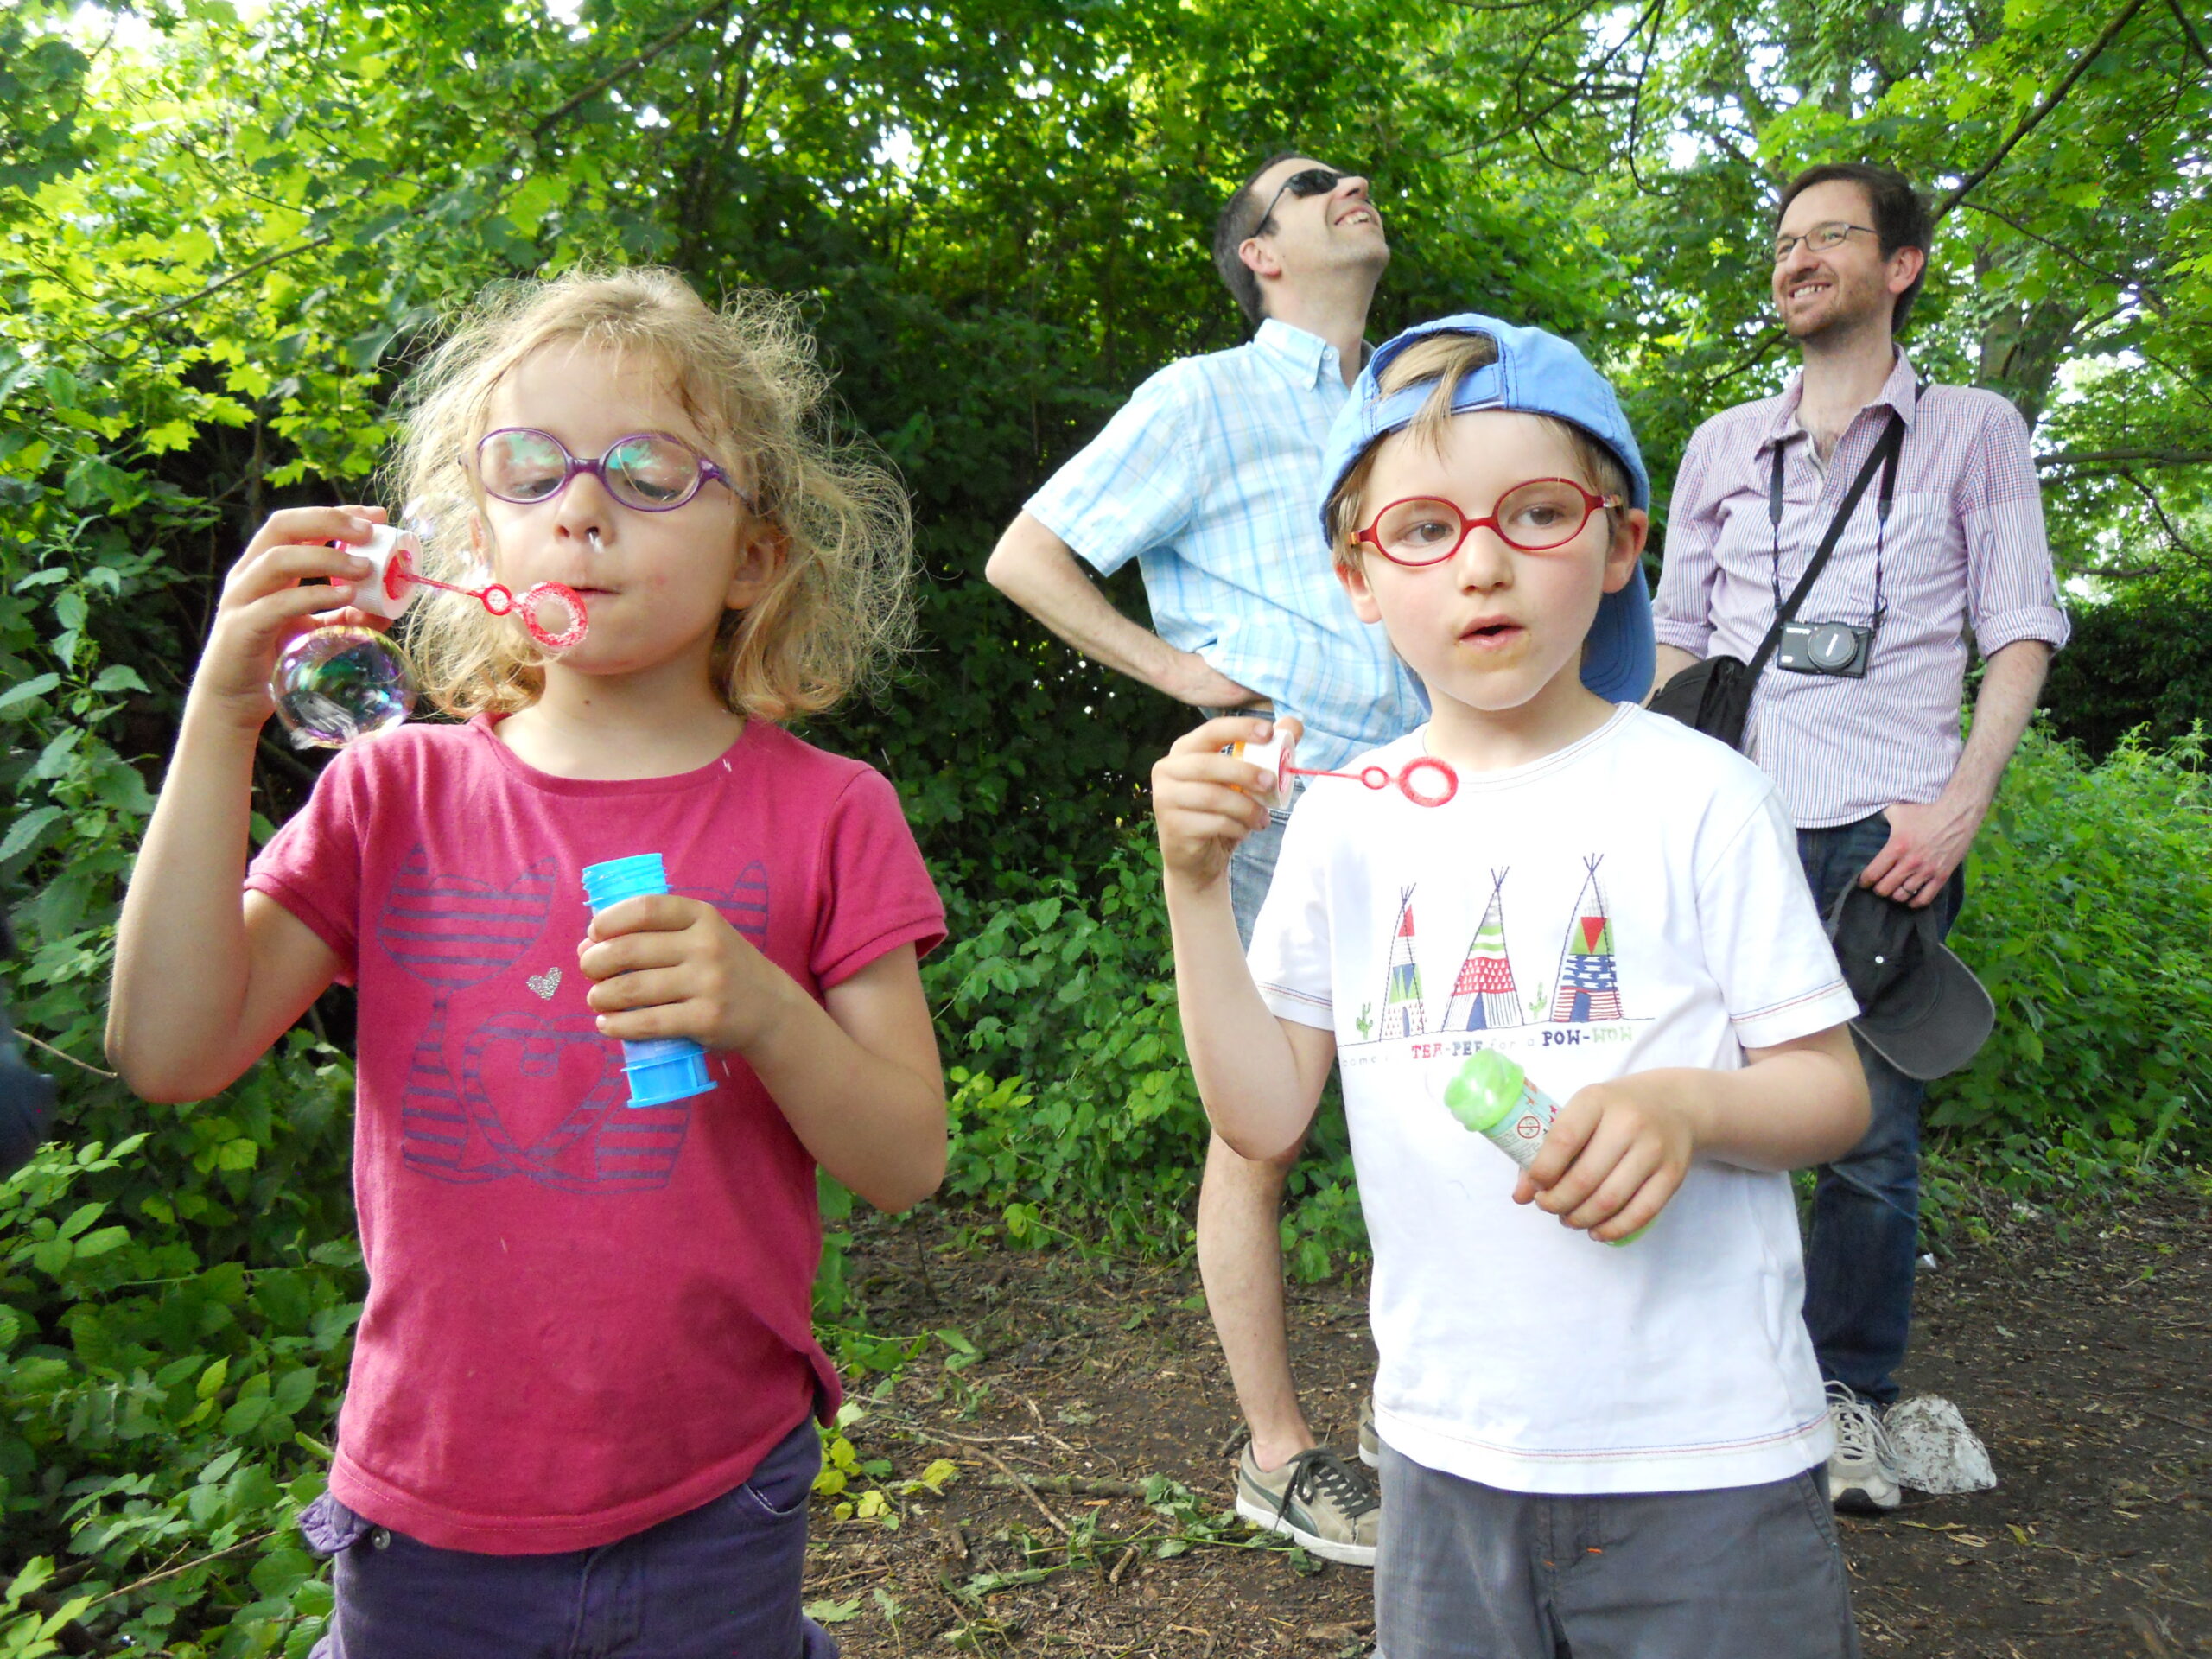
pixel 1882 457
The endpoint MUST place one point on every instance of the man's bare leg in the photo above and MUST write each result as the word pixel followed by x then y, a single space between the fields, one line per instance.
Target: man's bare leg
pixel 1240 1259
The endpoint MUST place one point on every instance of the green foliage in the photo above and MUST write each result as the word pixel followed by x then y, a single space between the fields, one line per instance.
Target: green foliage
pixel 227 232
pixel 2143 659
pixel 2087 919
pixel 1074 1118
pixel 176 1308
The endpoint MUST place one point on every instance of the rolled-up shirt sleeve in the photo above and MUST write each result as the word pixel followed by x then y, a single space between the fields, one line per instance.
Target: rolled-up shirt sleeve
pixel 2012 590
pixel 1130 489
pixel 1681 611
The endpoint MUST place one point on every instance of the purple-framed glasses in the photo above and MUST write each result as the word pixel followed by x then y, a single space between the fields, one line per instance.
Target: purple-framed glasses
pixel 1534 518
pixel 650 471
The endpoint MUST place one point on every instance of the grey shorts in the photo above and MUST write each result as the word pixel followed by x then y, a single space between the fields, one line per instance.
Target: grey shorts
pixel 1468 1571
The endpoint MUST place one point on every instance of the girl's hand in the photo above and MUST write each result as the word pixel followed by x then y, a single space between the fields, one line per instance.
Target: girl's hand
pixel 671 967
pixel 1205 801
pixel 1614 1156
pixel 265 605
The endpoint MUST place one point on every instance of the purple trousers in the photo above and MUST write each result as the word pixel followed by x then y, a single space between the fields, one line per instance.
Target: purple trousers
pixel 721 1582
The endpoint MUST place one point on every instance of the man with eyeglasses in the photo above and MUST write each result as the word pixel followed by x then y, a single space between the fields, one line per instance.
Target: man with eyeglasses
pixel 1859 724
pixel 1209 478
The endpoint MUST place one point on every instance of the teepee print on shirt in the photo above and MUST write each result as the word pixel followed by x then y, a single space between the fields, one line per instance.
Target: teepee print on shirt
pixel 1402 1015
pixel 1483 996
pixel 1589 976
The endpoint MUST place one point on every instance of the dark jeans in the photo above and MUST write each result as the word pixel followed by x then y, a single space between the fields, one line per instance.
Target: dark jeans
pixel 722 1580
pixel 1866 1242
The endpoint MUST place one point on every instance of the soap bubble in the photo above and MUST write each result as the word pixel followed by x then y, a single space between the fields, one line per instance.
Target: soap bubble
pixel 337 683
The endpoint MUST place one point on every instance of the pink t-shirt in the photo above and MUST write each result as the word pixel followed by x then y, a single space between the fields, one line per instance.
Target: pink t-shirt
pixel 583 1318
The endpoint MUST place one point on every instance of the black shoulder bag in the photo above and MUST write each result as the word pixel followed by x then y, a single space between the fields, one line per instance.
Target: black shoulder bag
pixel 1714 695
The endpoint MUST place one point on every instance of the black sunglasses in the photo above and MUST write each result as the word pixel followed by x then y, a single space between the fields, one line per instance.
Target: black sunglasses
pixel 1313 181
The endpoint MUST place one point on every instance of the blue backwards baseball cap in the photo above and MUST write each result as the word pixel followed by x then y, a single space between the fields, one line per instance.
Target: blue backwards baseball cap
pixel 1535 374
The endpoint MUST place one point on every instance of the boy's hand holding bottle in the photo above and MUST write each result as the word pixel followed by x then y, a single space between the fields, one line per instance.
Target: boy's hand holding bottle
pixel 1614 1156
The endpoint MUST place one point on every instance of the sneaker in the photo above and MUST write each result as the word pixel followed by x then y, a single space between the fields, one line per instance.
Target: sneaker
pixel 1862 1474
pixel 1371 1443
pixel 1329 1506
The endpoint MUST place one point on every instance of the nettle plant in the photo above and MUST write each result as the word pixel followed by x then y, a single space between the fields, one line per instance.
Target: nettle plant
pixel 1075 1118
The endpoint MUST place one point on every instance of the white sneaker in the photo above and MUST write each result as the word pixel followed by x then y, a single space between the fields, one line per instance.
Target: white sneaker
pixel 1862 1473
pixel 1329 1506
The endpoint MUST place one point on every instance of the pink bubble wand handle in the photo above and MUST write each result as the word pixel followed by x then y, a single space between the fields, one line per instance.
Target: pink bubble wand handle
pixel 391 553
pixel 498 599
pixel 1425 781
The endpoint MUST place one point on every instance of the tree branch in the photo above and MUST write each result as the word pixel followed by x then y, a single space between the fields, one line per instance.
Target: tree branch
pixel 2151 295
pixel 2173 536
pixel 2122 458
pixel 1766 342
pixel 2028 124
pixel 2189 32
pixel 548 122
pixel 218 285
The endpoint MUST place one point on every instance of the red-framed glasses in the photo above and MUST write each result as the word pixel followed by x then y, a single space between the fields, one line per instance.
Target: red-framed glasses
pixel 1533 518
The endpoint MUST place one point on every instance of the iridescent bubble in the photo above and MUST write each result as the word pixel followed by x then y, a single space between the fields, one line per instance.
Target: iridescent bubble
pixel 337 683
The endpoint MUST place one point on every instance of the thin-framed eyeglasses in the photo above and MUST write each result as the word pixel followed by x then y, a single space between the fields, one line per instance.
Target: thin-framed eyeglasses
pixel 1532 517
pixel 1313 181
pixel 650 471
pixel 1820 238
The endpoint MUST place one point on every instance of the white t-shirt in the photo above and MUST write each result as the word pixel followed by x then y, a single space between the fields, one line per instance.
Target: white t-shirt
pixel 1633 900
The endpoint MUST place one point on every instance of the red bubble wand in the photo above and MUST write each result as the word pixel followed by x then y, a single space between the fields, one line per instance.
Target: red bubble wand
pixel 1424 780
pixel 392 553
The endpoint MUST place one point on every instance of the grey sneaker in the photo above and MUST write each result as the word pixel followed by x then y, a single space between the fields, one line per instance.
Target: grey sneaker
pixel 1371 1443
pixel 1862 1475
pixel 1326 1505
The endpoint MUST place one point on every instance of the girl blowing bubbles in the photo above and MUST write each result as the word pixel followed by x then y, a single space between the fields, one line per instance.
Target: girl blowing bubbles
pixel 578 1416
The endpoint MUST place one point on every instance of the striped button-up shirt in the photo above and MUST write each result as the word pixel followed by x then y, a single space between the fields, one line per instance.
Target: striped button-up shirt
pixel 1210 477
pixel 1965 547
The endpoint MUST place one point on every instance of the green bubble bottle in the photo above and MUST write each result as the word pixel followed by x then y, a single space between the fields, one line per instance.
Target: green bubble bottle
pixel 1493 1097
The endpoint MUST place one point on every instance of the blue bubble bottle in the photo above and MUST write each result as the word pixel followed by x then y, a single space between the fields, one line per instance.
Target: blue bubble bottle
pixel 660 1069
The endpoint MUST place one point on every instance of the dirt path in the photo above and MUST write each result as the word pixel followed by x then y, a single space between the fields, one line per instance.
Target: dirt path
pixel 2083 1356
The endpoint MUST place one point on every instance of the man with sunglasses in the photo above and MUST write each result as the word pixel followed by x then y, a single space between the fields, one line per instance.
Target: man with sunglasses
pixel 1857 718
pixel 1208 477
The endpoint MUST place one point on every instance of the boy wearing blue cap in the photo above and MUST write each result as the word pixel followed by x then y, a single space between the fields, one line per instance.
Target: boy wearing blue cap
pixel 1600 1450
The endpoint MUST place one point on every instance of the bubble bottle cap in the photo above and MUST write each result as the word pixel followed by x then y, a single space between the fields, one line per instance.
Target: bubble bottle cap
pixel 1276 757
pixel 1488 1089
pixel 391 586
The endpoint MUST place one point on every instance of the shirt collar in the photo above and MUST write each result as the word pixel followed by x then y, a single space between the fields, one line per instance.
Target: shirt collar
pixel 1310 354
pixel 1901 392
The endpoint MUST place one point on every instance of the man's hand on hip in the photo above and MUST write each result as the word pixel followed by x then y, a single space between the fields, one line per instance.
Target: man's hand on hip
pixel 1203 686
pixel 1926 843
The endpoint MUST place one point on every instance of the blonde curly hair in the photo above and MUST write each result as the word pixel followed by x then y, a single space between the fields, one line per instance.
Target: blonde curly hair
pixel 837 609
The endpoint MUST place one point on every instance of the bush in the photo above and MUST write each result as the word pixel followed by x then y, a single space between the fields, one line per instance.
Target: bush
pixel 2142 659
pixel 2087 919
pixel 1074 1114
pixel 2091 900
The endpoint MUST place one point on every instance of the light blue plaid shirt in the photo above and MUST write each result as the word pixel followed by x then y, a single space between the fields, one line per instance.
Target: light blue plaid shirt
pixel 1210 477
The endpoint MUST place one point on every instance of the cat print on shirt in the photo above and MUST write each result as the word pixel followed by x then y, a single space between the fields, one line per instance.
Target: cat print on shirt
pixel 528 1089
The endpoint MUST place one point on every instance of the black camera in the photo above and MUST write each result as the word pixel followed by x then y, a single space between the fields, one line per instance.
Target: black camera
pixel 1838 649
